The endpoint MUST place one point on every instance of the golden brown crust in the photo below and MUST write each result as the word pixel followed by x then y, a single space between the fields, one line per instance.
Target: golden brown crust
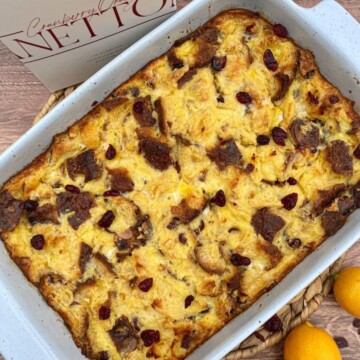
pixel 224 172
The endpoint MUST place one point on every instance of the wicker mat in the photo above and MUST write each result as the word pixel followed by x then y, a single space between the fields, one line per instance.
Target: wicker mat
pixel 292 314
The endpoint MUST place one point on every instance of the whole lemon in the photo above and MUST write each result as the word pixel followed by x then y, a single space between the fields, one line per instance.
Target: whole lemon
pixel 307 342
pixel 347 290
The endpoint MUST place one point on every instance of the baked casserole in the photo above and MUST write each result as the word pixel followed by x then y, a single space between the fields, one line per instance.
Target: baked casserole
pixel 195 187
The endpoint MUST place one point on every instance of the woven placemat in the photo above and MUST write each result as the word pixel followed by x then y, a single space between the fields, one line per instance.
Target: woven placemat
pixel 293 314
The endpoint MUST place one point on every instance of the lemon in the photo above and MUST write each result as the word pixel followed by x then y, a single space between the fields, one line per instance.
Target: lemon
pixel 347 290
pixel 307 342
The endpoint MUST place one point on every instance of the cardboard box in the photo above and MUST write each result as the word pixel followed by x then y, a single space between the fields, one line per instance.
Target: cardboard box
pixel 64 42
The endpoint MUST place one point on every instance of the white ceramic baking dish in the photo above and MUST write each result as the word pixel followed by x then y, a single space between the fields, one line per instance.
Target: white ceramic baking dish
pixel 29 329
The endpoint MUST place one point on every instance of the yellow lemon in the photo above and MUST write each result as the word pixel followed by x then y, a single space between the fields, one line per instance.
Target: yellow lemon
pixel 347 290
pixel 307 342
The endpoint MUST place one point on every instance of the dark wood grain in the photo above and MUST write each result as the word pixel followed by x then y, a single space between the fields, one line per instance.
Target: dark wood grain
pixel 22 96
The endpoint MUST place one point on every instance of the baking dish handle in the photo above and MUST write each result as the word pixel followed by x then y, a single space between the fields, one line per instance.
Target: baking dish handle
pixel 339 26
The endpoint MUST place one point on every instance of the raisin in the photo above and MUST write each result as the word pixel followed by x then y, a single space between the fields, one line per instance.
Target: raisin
pixel 37 242
pixel 289 201
pixel 30 205
pixel 274 324
pixel 356 323
pixel 270 61
pixel 294 243
pixel 239 260
pixel 341 342
pixel 220 99
pixel 244 98
pixel 107 219
pixel 312 98
pixel 189 299
pixel 357 152
pixel 150 337
pixel 182 238
pixel 291 181
pixel 185 342
pixel 334 99
pixel 280 30
pixel 72 189
pixel 110 152
pixel 104 313
pixel 249 168
pixel 173 223
pixel 263 140
pixel 111 193
pixel 146 284
pixel 218 62
pixel 219 199
pixel 279 135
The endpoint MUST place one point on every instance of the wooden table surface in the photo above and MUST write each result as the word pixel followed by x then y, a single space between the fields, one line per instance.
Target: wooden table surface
pixel 21 97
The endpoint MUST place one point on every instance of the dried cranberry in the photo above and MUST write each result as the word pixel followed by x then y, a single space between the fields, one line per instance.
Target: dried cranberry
pixel 218 62
pixel 279 135
pixel 107 219
pixel 182 238
pixel 334 99
pixel 146 284
pixel 239 260
pixel 263 140
pixel 313 98
pixel 139 107
pixel 357 152
pixel 72 189
pixel 220 99
pixel 274 324
pixel 294 243
pixel 104 313
pixel 291 181
pixel 30 205
pixel 189 299
pixel 289 201
pixel 37 242
pixel 249 168
pixel 244 98
pixel 150 337
pixel 110 152
pixel 219 199
pixel 280 30
pixel 111 193
pixel 270 61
